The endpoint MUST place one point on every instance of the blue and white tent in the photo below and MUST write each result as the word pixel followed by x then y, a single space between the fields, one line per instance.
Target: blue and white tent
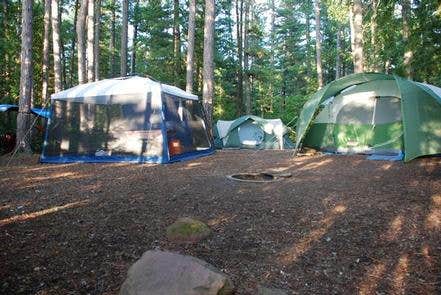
pixel 131 119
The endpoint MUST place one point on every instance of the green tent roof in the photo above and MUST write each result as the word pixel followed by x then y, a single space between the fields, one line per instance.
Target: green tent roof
pixel 420 108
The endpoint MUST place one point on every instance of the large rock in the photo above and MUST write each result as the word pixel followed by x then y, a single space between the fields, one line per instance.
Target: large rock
pixel 166 273
pixel 187 230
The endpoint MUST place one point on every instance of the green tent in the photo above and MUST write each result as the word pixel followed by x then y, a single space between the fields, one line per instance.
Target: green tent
pixel 252 132
pixel 373 113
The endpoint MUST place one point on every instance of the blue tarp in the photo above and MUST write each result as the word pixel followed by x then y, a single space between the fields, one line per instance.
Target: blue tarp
pixel 44 113
pixel 396 157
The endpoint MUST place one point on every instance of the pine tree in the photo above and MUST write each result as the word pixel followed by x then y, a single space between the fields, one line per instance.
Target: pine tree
pixel 208 75
pixel 80 29
pixel 46 49
pixel 56 45
pixel 124 37
pixel 190 47
pixel 24 116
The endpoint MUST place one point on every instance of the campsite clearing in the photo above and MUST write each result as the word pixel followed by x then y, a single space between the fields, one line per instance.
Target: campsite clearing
pixel 340 224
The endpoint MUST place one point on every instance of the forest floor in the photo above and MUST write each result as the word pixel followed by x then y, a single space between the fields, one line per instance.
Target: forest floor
pixel 339 225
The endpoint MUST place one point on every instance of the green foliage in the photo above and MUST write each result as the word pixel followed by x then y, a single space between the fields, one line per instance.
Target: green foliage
pixel 282 67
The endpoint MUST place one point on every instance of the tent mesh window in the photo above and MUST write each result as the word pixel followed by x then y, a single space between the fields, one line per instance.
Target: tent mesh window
pixel 185 125
pixel 95 130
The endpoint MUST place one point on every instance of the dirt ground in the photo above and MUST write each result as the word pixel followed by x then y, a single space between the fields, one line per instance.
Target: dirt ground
pixel 339 225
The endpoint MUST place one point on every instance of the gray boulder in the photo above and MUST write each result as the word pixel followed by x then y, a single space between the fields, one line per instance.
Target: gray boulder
pixel 166 273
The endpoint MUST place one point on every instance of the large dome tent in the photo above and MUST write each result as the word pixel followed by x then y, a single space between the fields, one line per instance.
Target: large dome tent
pixel 129 119
pixel 373 113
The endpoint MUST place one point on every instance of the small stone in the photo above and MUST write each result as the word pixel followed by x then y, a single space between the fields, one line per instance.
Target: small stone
pixel 187 230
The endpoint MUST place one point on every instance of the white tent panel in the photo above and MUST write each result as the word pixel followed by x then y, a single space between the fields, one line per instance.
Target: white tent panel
pixel 250 134
pixel 375 102
pixel 222 129
pixel 119 90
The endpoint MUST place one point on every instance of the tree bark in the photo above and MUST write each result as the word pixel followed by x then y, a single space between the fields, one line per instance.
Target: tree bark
pixel 124 32
pixel 357 33
pixel 208 71
pixel 90 41
pixel 135 39
pixel 246 78
pixel 308 40
pixel 375 63
pixel 338 54
pixel 176 41
pixel 46 50
pixel 24 106
pixel 190 49
pixel 272 51
pixel 72 46
pixel 112 41
pixel 318 44
pixel 96 45
pixel 81 28
pixel 56 46
pixel 408 53
pixel 239 26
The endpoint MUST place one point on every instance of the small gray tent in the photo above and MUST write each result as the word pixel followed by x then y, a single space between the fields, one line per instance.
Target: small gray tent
pixel 252 132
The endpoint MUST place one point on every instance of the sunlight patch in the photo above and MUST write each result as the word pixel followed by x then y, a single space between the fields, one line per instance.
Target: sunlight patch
pixel 28 216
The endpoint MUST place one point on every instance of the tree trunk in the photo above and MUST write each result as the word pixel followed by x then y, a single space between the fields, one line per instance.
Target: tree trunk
pixel 62 53
pixel 96 45
pixel 90 41
pixel 133 57
pixel 318 44
pixel 135 39
pixel 24 107
pixel 46 49
pixel 72 46
pixel 208 71
pixel 338 54
pixel 246 78
pixel 56 43
pixel 375 63
pixel 124 32
pixel 408 54
pixel 272 51
pixel 190 49
pixel 176 42
pixel 308 41
pixel 357 33
pixel 112 41
pixel 81 28
pixel 239 16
